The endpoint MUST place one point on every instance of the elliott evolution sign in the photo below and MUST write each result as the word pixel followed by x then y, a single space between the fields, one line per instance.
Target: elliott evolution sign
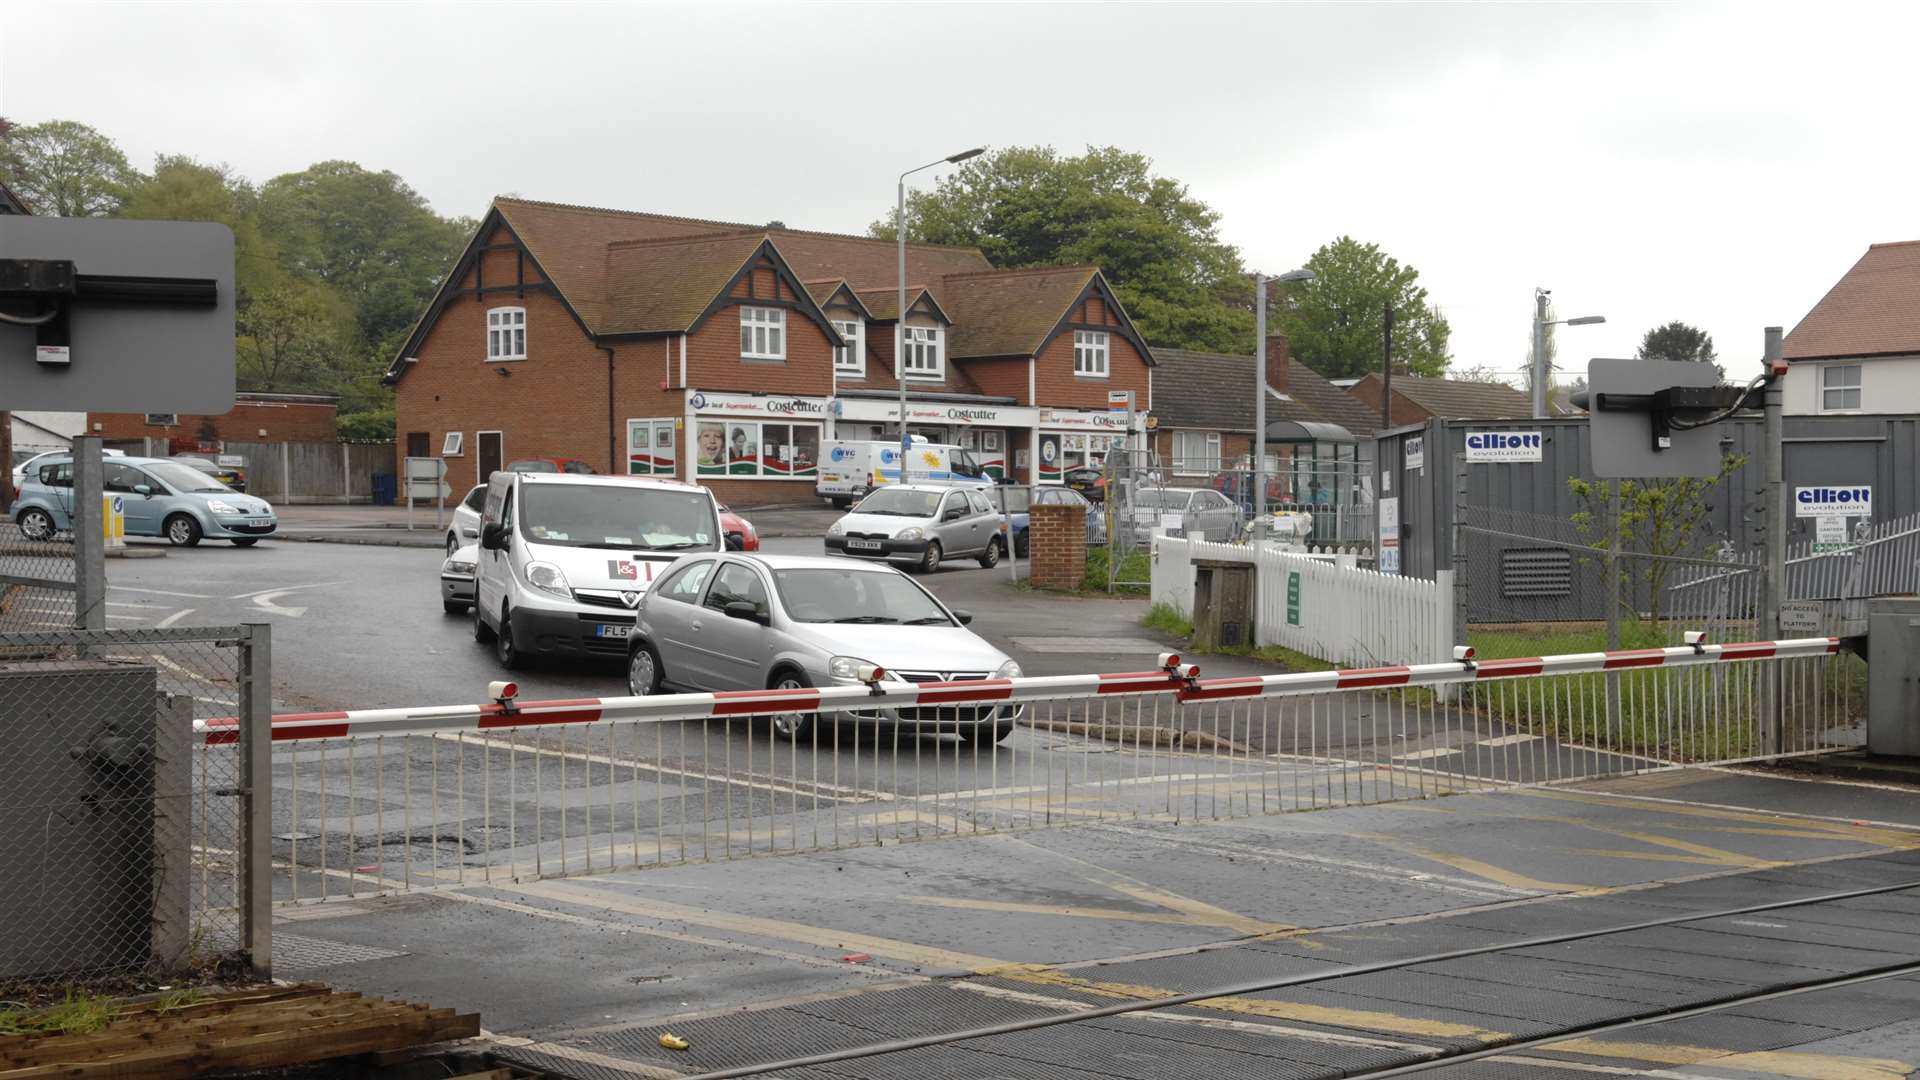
pixel 1503 446
pixel 1833 501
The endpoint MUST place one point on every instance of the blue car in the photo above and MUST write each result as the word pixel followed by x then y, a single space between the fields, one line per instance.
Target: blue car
pixel 1019 517
pixel 159 497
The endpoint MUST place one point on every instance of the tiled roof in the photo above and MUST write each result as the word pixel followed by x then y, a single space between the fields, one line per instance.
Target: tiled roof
pixel 884 304
pixel 1453 398
pixel 663 286
pixel 1214 391
pixel 1009 312
pixel 1873 310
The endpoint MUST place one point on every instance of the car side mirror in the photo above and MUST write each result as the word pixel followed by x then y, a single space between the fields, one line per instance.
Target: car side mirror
pixel 954 514
pixel 744 609
pixel 736 542
pixel 493 536
pixel 963 615
pixel 143 489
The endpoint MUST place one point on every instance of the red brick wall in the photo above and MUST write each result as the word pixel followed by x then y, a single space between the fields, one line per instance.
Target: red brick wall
pixel 1003 378
pixel 284 422
pixel 1057 544
pixel 714 361
pixel 1367 390
pixel 1059 388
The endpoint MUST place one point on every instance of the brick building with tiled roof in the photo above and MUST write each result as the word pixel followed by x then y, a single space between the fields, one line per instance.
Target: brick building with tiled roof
pixel 725 353
pixel 1415 399
pixel 1858 350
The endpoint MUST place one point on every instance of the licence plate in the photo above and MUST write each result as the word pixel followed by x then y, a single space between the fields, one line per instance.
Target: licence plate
pixel 863 545
pixel 606 631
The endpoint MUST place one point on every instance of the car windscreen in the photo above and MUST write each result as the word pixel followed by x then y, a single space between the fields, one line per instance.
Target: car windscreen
pixel 610 516
pixel 855 595
pixel 534 466
pixel 897 502
pixel 183 478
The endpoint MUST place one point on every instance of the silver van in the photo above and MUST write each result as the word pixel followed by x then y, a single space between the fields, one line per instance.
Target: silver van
pixel 564 559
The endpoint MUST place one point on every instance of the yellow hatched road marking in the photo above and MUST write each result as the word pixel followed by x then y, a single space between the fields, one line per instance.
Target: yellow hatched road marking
pixel 1771 1062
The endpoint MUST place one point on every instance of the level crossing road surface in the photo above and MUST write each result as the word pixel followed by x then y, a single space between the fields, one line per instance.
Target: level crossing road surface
pixel 760 960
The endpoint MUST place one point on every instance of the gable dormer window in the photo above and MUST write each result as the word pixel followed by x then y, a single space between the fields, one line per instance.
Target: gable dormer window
pixel 763 333
pixel 851 358
pixel 1090 353
pixel 923 352
pixel 507 333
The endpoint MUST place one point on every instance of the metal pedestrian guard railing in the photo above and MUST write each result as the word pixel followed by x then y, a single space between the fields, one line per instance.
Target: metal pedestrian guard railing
pixel 383 800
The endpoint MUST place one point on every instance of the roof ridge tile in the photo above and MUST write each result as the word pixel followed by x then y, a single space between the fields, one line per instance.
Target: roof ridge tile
pixel 735 226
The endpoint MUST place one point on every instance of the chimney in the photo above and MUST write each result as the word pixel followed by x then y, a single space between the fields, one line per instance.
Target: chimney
pixel 1279 358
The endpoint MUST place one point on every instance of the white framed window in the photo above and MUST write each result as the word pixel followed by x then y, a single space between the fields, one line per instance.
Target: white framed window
pixel 851 358
pixel 652 447
pixel 506 333
pixel 1839 387
pixel 1090 353
pixel 452 445
pixel 923 353
pixel 763 333
pixel 1196 452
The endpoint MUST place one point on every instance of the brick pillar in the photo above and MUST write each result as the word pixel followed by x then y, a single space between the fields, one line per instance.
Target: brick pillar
pixel 1057 546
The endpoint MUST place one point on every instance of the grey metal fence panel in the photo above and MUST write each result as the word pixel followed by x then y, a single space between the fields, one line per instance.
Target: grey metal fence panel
pixel 120 827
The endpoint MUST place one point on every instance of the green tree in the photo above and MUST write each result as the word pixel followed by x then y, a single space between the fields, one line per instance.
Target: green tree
pixel 292 338
pixel 1335 321
pixel 366 234
pixel 1663 519
pixel 65 169
pixel 182 189
pixel 1158 245
pixel 1678 341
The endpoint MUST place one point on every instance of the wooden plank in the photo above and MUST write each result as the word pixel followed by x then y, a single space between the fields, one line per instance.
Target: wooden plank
pixel 112 1041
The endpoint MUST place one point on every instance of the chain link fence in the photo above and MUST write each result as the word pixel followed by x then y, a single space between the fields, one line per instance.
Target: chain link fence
pixel 124 827
pixel 37 579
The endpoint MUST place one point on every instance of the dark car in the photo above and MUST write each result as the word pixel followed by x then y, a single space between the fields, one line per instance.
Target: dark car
pixel 234 476
pixel 550 465
pixel 1088 481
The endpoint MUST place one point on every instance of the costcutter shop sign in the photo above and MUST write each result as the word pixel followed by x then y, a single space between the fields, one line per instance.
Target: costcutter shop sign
pixel 1503 446
pixel 1833 501
pixel 804 408
pixel 921 412
pixel 1077 420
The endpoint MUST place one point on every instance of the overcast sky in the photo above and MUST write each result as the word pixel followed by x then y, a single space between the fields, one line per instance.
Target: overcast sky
pixel 1717 164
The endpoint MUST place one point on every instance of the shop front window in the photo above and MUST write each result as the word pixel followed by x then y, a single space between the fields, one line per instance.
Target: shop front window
pixel 755 449
pixel 651 448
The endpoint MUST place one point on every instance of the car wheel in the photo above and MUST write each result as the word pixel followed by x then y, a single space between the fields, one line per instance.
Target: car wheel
pixel 482 633
pixel 453 543
pixel 245 541
pixel 454 607
pixel 182 531
pixel 504 648
pixel 987 734
pixel 643 671
pixel 990 558
pixel 1020 544
pixel 930 561
pixel 793 727
pixel 36 524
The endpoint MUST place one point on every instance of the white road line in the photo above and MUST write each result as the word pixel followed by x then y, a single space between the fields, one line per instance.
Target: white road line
pixel 1423 755
pixel 176 617
pixel 1508 740
pixel 127 618
pixel 156 592
pixel 282 588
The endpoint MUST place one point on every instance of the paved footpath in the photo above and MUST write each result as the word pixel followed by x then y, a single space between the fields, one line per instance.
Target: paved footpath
pixel 762 959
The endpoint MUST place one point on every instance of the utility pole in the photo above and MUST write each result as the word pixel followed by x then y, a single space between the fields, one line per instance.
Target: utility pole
pixel 1386 369
pixel 1259 446
pixel 1774 517
pixel 1539 365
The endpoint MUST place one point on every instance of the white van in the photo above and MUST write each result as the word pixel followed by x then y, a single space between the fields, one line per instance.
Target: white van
pixel 849 468
pixel 564 559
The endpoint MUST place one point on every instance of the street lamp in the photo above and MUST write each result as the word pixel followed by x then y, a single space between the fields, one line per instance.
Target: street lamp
pixel 900 316
pixel 1259 453
pixel 1540 323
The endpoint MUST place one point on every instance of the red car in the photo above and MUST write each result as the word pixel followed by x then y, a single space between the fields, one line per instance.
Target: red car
pixel 738 530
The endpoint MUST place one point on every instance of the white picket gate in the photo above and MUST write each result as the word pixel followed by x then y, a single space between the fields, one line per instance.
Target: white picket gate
pixel 1329 609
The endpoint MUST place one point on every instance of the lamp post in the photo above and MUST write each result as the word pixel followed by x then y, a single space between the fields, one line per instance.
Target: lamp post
pixel 1259 453
pixel 900 316
pixel 1541 372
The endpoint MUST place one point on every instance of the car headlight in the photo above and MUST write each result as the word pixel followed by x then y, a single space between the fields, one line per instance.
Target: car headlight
pixel 221 506
pixel 847 668
pixel 911 532
pixel 547 577
pixel 837 528
pixel 1008 670
pixel 452 566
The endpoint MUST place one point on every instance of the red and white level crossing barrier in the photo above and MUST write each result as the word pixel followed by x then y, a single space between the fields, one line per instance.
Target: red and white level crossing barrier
pixel 1179 682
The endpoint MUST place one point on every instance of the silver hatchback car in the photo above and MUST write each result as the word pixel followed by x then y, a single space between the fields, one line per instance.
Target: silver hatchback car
pixel 740 621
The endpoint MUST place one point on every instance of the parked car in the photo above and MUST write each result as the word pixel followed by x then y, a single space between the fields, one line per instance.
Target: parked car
pixel 740 533
pixel 1203 513
pixel 564 559
pixel 550 465
pixel 160 497
pixel 465 528
pixel 921 525
pixel 231 474
pixel 1019 518
pixel 21 470
pixel 456 579
pixel 1088 481
pixel 747 622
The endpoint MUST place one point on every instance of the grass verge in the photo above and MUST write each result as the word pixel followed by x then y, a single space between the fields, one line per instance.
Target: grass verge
pixel 80 1013
pixel 1166 620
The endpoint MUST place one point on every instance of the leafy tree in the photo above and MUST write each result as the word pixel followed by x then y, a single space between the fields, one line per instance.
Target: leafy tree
pixel 1479 373
pixel 366 234
pixel 1678 341
pixel 182 189
pixel 65 169
pixel 290 338
pixel 1663 519
pixel 371 425
pixel 1159 246
pixel 1334 322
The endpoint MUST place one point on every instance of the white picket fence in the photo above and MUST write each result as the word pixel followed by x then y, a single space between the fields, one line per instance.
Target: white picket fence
pixel 1341 613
